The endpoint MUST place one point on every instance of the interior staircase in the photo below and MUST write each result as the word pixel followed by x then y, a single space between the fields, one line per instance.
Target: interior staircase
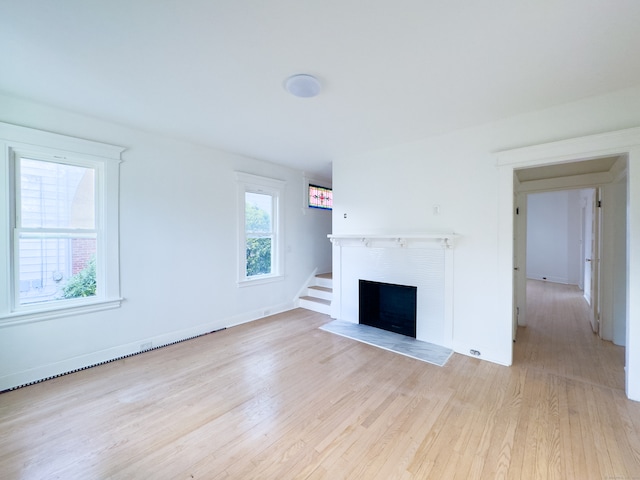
pixel 318 297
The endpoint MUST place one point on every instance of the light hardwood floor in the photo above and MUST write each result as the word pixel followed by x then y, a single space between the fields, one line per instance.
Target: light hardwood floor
pixel 281 399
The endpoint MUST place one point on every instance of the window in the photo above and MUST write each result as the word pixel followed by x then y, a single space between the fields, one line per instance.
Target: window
pixel 260 229
pixel 320 197
pixel 60 221
pixel 259 234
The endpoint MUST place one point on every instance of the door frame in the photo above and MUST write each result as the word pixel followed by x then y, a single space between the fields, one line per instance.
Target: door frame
pixel 621 142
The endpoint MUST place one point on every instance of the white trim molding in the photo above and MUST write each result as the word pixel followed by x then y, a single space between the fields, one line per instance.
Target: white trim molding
pixel 275 188
pixel 423 240
pixel 105 159
pixel 30 136
pixel 592 146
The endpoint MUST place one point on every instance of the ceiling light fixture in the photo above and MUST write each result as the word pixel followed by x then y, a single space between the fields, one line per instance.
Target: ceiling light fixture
pixel 302 85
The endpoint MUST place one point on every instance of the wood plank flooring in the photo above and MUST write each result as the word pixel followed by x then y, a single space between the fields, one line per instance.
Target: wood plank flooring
pixel 281 399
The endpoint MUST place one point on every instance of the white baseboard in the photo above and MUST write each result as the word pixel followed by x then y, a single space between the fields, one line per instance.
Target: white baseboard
pixel 548 278
pixel 55 369
pixel 484 354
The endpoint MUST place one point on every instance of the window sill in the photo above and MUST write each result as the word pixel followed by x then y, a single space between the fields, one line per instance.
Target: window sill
pixel 260 280
pixel 30 316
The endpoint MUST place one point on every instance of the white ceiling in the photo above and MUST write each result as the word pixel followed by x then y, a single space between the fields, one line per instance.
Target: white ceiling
pixel 212 71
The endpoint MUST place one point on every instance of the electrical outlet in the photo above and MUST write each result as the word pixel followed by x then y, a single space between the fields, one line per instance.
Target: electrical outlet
pixel 474 352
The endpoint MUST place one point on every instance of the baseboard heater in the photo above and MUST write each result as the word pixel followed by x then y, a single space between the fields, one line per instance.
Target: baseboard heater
pixel 109 361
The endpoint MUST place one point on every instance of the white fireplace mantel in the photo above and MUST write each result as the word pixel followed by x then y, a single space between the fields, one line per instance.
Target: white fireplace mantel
pixel 415 240
pixel 422 260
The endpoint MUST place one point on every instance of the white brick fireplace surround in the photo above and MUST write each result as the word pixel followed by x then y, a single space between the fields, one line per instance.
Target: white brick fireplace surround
pixel 421 260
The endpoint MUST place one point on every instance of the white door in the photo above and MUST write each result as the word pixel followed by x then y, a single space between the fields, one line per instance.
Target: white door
pixel 519 262
pixel 587 245
pixel 595 261
pixel 591 234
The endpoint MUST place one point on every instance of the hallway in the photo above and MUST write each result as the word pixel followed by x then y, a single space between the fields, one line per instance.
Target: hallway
pixel 558 338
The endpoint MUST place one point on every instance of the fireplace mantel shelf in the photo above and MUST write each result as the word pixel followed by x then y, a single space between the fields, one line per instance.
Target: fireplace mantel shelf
pixel 415 240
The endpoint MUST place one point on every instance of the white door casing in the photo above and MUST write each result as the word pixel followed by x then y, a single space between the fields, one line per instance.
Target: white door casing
pixel 622 142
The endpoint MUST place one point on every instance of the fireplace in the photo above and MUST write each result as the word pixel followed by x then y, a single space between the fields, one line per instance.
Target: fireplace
pixel 388 306
pixel 422 260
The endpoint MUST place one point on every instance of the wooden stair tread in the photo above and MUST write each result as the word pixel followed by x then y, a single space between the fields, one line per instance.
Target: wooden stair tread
pixel 316 300
pixel 323 289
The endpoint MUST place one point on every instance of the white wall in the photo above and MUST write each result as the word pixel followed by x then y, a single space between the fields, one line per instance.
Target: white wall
pixel 178 245
pixel 458 172
pixel 553 236
pixel 632 352
pixel 615 195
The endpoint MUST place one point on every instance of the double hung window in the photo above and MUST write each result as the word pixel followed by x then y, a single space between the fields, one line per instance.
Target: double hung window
pixel 260 229
pixel 60 221
pixel 56 234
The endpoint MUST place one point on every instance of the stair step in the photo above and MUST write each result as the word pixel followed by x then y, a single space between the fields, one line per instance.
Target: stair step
pixel 324 280
pixel 315 304
pixel 322 289
pixel 320 292
pixel 316 300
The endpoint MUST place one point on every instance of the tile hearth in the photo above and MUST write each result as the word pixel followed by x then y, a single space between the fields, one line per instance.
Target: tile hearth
pixel 393 342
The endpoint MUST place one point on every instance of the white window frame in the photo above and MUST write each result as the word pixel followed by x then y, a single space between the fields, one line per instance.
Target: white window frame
pixel 16 142
pixel 270 186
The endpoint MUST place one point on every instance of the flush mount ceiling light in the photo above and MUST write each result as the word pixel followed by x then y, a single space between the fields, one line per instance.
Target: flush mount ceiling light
pixel 302 85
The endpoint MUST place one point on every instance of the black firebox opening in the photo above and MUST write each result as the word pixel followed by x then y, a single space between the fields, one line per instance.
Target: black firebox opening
pixel 388 306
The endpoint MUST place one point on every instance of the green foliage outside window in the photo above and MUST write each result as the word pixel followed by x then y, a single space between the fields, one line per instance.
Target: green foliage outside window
pixel 258 256
pixel 257 221
pixel 83 283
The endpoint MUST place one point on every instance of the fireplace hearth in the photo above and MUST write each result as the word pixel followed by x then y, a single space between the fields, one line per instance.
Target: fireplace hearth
pixel 388 306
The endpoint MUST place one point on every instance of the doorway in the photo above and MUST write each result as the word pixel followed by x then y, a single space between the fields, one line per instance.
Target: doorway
pixel 561 232
pixel 562 243
pixel 624 144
